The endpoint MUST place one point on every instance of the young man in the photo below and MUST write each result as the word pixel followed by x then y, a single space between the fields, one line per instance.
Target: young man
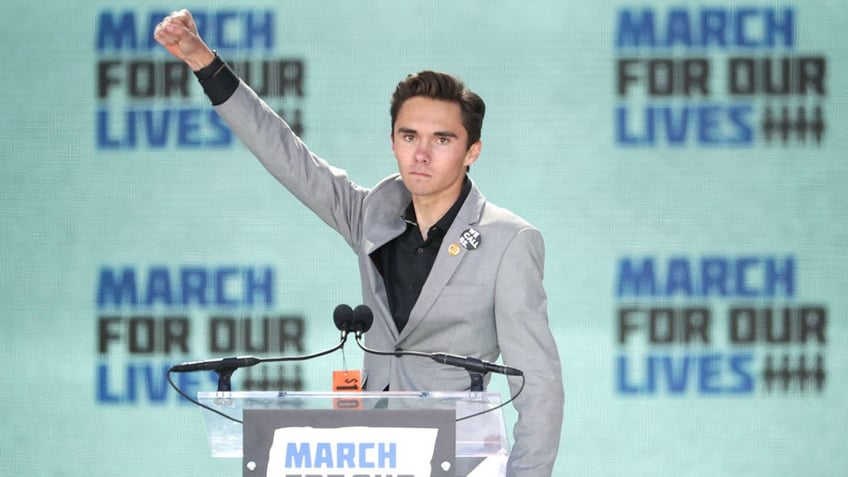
pixel 442 268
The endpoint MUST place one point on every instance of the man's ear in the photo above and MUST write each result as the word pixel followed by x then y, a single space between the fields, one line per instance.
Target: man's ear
pixel 473 153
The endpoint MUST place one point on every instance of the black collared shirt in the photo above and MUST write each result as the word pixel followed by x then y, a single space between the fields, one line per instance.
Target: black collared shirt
pixel 406 260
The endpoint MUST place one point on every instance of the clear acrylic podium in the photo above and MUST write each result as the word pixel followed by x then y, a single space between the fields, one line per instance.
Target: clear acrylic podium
pixel 481 448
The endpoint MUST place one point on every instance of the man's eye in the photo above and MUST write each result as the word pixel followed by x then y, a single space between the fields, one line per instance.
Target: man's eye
pixel 408 137
pixel 442 140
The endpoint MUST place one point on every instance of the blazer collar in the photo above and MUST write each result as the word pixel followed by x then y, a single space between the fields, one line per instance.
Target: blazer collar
pixel 385 222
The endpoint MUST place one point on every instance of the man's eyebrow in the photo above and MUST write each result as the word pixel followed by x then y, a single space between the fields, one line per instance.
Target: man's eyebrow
pixel 445 134
pixel 404 130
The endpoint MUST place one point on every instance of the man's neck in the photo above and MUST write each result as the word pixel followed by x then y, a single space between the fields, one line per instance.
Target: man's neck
pixel 430 209
pixel 428 212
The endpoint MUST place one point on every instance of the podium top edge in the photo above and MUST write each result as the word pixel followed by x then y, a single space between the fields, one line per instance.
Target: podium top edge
pixel 362 394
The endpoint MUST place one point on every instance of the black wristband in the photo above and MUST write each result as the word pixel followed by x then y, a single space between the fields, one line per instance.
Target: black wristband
pixel 211 69
pixel 219 82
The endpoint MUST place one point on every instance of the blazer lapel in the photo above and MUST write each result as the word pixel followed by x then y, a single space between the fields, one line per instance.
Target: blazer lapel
pixel 382 224
pixel 446 264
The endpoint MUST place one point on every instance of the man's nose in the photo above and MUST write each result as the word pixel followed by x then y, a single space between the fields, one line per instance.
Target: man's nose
pixel 422 152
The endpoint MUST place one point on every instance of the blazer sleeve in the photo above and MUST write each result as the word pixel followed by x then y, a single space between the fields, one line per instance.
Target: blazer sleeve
pixel 526 343
pixel 324 189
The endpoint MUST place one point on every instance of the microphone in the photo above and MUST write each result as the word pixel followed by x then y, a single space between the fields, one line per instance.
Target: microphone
pixel 219 364
pixel 363 318
pixel 343 318
pixel 475 365
pixel 357 320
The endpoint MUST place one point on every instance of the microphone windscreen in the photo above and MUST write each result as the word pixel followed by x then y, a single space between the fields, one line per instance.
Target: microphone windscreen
pixel 343 317
pixel 363 318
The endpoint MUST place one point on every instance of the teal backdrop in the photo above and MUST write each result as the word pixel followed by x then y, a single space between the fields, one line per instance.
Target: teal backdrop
pixel 685 161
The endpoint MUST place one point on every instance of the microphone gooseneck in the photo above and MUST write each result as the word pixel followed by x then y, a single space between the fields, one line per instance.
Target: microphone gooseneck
pixel 225 367
pixel 358 321
pixel 363 318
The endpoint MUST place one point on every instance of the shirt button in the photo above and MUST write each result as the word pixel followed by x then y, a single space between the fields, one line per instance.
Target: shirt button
pixel 420 251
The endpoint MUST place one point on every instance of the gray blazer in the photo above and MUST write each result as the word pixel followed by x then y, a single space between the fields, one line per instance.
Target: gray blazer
pixel 483 302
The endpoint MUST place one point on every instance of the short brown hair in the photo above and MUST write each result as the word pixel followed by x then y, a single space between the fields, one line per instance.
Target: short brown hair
pixel 445 87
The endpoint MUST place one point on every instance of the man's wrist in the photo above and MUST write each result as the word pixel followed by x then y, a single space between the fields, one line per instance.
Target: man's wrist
pixel 210 69
pixel 204 59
